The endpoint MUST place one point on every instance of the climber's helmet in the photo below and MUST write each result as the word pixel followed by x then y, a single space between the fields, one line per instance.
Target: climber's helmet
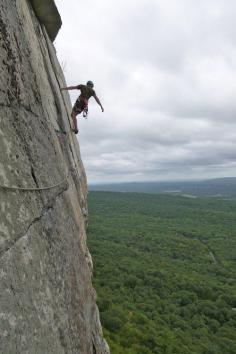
pixel 90 84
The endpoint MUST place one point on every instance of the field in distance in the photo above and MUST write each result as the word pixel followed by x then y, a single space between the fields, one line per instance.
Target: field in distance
pixel 220 187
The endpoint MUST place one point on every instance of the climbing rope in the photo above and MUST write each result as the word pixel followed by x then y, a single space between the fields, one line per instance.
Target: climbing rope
pixel 34 188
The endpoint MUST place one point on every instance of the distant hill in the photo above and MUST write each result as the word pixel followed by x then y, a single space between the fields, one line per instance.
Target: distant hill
pixel 219 187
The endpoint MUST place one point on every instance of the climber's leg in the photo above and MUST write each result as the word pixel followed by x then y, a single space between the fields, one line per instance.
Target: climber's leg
pixel 73 116
pixel 77 109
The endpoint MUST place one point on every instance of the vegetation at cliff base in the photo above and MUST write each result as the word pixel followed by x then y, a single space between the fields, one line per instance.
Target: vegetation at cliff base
pixel 164 271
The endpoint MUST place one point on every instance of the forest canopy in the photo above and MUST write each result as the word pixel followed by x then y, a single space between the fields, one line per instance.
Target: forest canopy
pixel 164 271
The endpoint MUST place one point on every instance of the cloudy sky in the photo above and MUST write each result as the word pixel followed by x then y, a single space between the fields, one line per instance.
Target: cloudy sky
pixel 165 71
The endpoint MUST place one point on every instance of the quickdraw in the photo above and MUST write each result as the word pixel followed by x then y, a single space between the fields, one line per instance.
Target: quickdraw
pixel 85 112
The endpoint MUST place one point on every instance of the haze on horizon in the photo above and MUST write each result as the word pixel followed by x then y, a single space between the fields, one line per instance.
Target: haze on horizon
pixel 165 72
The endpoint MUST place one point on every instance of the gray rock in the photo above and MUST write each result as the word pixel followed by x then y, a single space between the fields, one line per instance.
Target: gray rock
pixel 47 302
pixel 47 13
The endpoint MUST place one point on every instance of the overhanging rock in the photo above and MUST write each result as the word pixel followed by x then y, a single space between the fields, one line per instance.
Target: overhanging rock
pixel 47 13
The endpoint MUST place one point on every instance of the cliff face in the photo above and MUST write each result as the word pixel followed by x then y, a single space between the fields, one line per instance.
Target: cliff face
pixel 47 303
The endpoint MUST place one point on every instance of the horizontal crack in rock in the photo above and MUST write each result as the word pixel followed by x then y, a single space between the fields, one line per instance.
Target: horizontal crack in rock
pixel 17 107
pixel 7 245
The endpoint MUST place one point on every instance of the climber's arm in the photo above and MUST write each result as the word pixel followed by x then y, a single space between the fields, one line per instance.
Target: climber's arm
pixel 70 88
pixel 98 102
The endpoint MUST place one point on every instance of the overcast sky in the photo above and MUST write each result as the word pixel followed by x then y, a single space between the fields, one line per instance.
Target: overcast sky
pixel 165 71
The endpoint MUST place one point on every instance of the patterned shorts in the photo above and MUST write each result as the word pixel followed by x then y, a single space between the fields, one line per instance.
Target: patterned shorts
pixel 80 105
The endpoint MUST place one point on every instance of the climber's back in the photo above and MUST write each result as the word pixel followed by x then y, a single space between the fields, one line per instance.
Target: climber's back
pixel 86 91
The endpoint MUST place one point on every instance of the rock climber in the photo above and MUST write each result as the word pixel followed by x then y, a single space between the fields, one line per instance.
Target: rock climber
pixel 81 104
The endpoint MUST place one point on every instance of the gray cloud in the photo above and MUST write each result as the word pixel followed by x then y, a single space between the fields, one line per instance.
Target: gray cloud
pixel 165 72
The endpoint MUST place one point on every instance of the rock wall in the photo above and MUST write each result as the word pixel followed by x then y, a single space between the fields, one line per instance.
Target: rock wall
pixel 47 303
